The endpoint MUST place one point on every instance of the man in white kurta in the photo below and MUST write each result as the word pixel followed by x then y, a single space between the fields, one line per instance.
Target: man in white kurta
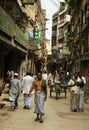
pixel 15 90
pixel 26 85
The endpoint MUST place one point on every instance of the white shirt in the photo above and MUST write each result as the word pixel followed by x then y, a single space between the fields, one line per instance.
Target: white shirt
pixel 57 78
pixel 45 77
pixel 75 89
pixel 83 78
pixel 27 83
pixel 50 77
pixel 71 82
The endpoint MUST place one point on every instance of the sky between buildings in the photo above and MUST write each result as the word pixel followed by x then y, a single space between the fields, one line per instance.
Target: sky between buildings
pixel 51 7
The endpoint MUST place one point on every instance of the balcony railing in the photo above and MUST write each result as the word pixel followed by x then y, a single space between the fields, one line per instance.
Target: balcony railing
pixel 6 23
pixel 8 26
pixel 61 36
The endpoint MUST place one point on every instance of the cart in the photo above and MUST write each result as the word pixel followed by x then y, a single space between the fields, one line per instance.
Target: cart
pixel 62 89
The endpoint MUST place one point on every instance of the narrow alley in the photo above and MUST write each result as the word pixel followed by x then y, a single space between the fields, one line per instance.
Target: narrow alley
pixel 50 37
pixel 57 116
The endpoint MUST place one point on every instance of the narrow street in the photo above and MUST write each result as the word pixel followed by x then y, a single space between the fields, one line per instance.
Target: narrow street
pixel 57 116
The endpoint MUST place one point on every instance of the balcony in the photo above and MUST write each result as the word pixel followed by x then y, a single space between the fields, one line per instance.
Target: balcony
pixel 6 23
pixel 61 36
pixel 9 28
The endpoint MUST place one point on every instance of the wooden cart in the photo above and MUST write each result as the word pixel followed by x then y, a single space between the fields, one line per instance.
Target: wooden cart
pixel 63 89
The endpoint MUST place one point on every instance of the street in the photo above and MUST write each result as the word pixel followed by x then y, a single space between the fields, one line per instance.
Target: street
pixel 57 116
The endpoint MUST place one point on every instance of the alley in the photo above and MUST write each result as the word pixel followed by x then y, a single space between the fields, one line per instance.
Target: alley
pixel 57 116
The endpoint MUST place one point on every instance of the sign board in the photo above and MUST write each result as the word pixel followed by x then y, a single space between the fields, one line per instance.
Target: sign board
pixel 30 2
pixel 30 34
pixel 32 41
pixel 74 39
pixel 68 18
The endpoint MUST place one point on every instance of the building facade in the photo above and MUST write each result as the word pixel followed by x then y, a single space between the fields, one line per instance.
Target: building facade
pixel 17 48
pixel 60 50
pixel 78 34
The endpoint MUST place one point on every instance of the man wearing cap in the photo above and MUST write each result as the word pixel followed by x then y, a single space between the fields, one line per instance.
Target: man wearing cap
pixel 15 90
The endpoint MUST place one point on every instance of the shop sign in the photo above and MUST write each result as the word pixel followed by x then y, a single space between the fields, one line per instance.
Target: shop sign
pixel 74 39
pixel 31 2
pixel 30 34
pixel 37 36
pixel 68 18
pixel 70 45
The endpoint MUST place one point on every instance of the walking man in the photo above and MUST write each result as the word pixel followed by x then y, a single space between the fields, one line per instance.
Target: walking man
pixel 40 97
pixel 26 85
pixel 15 90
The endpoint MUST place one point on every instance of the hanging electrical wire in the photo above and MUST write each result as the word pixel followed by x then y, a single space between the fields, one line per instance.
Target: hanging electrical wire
pixel 49 6
pixel 49 3
pixel 61 0
pixel 54 3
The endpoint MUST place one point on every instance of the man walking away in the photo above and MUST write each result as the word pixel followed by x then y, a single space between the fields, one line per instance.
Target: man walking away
pixel 15 90
pixel 26 85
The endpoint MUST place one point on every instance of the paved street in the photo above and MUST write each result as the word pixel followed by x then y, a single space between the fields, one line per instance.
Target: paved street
pixel 57 116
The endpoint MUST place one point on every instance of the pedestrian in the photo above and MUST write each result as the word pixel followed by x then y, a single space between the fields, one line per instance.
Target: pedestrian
pixel 57 81
pixel 66 77
pixel 45 76
pixel 15 90
pixel 81 83
pixel 40 97
pixel 50 79
pixel 26 85
pixel 74 93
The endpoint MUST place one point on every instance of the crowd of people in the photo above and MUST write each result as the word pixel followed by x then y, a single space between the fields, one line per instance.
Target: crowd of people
pixel 75 83
pixel 76 87
pixel 26 87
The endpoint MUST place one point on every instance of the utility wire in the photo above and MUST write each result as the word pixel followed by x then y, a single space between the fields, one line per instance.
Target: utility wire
pixel 49 6
pixel 61 1
pixel 56 1
pixel 53 2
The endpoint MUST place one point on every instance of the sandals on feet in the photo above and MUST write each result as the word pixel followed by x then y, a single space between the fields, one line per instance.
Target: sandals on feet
pixel 36 119
pixel 41 120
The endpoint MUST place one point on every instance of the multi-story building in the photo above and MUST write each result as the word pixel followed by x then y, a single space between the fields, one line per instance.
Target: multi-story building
pixel 37 41
pixel 13 43
pixel 17 49
pixel 54 40
pixel 78 38
pixel 60 50
pixel 62 36
pixel 78 35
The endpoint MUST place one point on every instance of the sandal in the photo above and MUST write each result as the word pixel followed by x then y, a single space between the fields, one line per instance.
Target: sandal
pixel 41 120
pixel 36 119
